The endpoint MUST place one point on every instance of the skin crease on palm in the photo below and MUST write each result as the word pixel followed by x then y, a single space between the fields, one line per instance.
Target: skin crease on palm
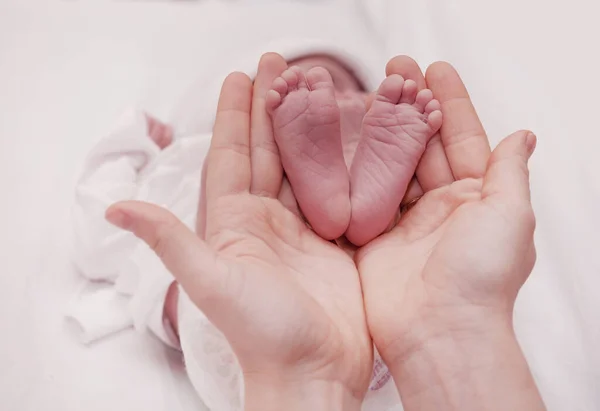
pixel 300 313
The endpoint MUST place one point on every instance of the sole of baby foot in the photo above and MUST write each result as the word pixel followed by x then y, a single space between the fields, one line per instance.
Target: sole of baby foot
pixel 306 125
pixel 394 135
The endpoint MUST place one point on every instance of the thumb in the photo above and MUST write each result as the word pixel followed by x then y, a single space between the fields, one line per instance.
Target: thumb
pixel 507 172
pixel 185 255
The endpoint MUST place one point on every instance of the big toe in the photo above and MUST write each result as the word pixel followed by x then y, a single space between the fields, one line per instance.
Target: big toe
pixel 390 89
pixel 319 78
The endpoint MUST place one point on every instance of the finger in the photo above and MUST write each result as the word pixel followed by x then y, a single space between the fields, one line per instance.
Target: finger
pixel 228 170
pixel 267 172
pixel 462 134
pixel 531 258
pixel 188 258
pixel 201 215
pixel 507 173
pixel 437 205
pixel 433 170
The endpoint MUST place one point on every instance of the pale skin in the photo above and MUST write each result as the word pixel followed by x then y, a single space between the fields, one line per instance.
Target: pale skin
pixel 447 276
pixel 438 289
pixel 394 132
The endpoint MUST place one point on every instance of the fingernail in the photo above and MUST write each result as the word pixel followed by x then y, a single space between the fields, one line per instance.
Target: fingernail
pixel 530 143
pixel 118 218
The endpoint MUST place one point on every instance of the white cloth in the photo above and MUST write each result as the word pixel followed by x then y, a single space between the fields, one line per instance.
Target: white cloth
pixel 127 165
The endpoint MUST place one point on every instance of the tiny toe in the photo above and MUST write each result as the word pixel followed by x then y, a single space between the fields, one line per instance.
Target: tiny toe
pixel 272 100
pixel 390 89
pixel 319 78
pixel 291 78
pixel 434 120
pixel 423 98
pixel 409 92
pixel 300 77
pixel 280 86
pixel 432 106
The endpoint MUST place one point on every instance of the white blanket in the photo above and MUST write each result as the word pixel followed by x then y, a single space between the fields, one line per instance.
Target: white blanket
pixel 68 69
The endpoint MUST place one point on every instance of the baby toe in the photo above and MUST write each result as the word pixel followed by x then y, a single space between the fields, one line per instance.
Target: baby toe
pixel 432 106
pixel 390 89
pixel 319 78
pixel 291 78
pixel 423 98
pixel 434 120
pixel 272 100
pixel 280 86
pixel 409 92
pixel 300 77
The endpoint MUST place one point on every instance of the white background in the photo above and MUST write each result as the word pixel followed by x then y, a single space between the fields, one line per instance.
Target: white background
pixel 68 69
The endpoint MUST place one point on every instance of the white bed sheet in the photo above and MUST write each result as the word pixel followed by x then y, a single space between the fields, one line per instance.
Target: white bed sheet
pixel 68 68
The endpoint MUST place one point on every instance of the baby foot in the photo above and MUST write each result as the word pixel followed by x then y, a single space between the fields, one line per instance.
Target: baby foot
pixel 160 133
pixel 395 133
pixel 306 124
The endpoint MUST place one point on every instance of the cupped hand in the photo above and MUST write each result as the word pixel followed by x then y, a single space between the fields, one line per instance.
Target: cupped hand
pixel 288 302
pixel 467 246
pixel 440 287
pixel 469 239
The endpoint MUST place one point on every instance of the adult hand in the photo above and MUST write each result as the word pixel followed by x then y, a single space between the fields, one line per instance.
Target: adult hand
pixel 289 302
pixel 440 287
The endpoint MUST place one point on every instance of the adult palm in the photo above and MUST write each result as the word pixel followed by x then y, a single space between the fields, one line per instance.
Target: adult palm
pixel 289 302
pixel 466 247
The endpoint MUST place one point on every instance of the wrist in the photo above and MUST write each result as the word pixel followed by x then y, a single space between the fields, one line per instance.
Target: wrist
pixel 471 361
pixel 290 394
